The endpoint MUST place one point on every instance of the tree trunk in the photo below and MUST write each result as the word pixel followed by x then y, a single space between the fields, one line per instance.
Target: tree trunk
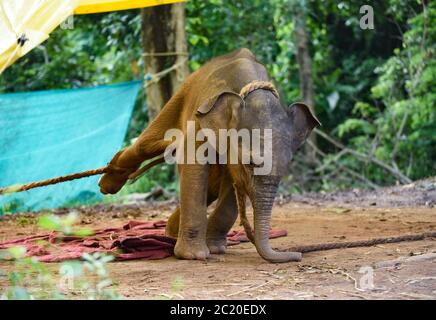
pixel 164 46
pixel 305 73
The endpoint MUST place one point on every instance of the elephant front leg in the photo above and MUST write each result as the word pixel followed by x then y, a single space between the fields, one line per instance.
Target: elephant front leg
pixel 191 240
pixel 222 219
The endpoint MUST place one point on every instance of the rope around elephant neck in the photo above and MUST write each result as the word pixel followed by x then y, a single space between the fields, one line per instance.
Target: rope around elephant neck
pixel 256 85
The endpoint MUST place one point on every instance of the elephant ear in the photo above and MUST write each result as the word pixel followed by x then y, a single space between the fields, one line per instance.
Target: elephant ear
pixel 218 111
pixel 303 121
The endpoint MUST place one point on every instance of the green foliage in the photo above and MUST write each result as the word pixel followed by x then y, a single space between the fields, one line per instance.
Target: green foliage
pixel 83 56
pixel 28 273
pixel 366 83
pixel 64 225
pixel 100 287
pixel 10 207
pixel 400 126
pixel 353 125
pixel 33 280
pixel 157 177
pixel 160 176
pixel 217 27
pixel 177 285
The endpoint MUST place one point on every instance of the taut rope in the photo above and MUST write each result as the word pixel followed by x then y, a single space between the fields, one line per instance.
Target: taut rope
pixel 43 183
pixel 110 168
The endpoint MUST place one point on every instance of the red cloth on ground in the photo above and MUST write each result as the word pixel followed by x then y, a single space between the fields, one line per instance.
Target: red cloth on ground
pixel 134 240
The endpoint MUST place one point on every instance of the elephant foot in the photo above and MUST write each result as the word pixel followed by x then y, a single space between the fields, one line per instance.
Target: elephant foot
pixel 191 250
pixel 217 246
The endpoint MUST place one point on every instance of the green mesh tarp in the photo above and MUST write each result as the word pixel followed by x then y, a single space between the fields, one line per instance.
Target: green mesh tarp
pixel 46 134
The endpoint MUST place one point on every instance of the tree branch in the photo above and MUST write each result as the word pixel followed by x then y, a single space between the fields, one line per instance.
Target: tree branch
pixel 395 172
pixel 351 172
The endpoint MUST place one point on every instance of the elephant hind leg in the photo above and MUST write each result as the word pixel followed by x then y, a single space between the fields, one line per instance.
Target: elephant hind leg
pixel 222 219
pixel 172 228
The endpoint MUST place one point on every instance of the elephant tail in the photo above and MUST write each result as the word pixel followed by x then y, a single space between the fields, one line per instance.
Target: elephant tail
pixel 240 200
pixel 141 171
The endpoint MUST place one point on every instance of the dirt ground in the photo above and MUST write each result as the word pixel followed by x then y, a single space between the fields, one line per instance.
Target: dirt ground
pixel 393 271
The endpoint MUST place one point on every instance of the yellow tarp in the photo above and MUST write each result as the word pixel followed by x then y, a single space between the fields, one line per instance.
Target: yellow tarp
pixel 31 21
pixel 95 6
pixel 24 24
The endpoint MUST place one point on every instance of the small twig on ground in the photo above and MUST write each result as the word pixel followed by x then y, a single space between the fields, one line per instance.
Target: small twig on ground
pixel 413 281
pixel 401 260
pixel 416 295
pixel 250 288
pixel 348 276
pixel 354 294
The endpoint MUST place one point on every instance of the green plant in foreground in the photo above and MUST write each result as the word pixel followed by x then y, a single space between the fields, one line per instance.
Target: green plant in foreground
pixel 176 286
pixel 95 266
pixel 64 225
pixel 32 279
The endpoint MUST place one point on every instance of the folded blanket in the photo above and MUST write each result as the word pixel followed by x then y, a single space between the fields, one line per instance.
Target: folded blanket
pixel 134 240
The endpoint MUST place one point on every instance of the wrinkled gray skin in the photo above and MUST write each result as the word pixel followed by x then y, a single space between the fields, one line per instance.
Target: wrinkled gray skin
pixel 210 97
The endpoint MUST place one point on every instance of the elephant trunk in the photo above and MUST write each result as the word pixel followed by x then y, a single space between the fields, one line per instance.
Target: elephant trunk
pixel 265 188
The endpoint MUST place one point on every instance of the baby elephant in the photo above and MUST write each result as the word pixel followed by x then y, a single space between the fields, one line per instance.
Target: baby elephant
pixel 229 94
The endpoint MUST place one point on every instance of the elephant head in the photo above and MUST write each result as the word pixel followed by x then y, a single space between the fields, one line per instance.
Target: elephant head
pixel 290 127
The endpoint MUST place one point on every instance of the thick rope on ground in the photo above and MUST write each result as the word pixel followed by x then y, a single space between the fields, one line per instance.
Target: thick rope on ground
pixel 362 243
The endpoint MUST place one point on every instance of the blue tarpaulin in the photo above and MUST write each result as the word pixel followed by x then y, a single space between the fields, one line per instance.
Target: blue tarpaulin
pixel 45 134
